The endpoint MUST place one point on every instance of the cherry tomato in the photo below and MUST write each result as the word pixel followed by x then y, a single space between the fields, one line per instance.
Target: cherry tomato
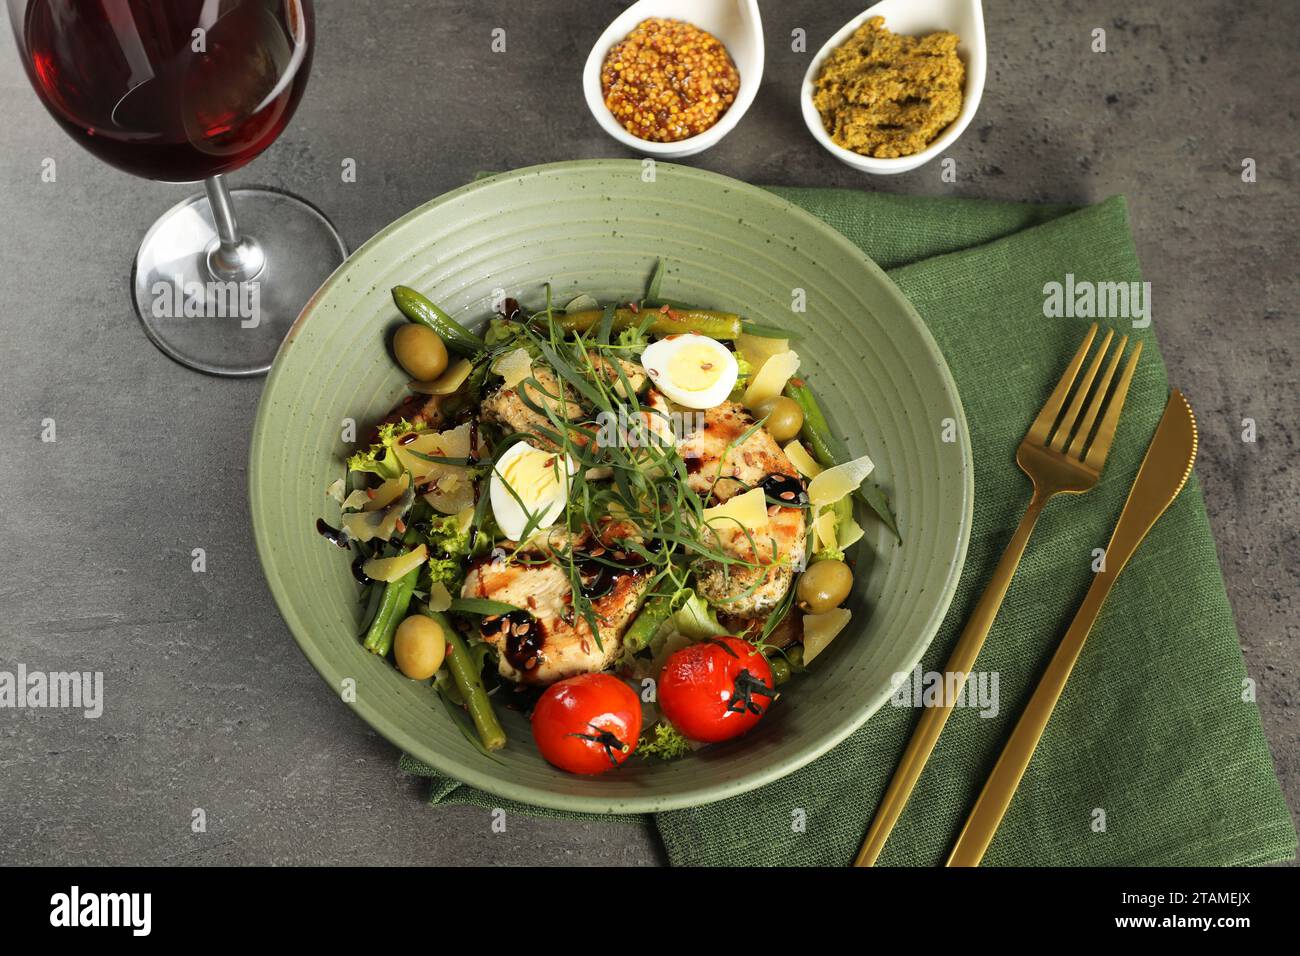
pixel 587 724
pixel 716 689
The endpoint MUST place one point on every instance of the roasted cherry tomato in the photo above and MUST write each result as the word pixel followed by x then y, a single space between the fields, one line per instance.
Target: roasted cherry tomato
pixel 587 724
pixel 716 689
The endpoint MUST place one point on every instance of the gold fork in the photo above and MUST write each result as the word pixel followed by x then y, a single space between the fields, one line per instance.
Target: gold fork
pixel 1059 459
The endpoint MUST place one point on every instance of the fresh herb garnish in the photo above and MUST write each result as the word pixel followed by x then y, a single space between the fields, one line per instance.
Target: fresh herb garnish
pixel 484 606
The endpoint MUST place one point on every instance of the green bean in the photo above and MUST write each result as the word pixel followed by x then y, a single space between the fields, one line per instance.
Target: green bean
pixel 829 452
pixel 419 309
pixel 843 511
pixel 470 684
pixel 653 613
pixel 759 330
pixel 716 325
pixel 374 596
pixel 816 432
pixel 392 608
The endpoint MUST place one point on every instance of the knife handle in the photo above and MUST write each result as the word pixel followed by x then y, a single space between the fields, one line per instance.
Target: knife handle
pixel 1005 778
pixel 961 661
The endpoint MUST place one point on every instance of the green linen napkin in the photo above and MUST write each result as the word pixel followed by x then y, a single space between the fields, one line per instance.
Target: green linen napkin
pixel 1155 754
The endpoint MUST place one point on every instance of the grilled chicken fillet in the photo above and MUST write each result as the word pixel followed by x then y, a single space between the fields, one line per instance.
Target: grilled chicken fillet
pixel 506 406
pixel 742 590
pixel 422 411
pixel 549 647
pixel 632 371
pixel 718 464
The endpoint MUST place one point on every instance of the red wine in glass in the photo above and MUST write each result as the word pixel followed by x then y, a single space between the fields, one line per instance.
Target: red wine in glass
pixel 181 91
pixel 146 87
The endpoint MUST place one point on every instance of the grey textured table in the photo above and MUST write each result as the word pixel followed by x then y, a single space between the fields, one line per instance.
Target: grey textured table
pixel 209 703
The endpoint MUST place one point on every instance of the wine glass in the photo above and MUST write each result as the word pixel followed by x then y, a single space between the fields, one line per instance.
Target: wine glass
pixel 182 91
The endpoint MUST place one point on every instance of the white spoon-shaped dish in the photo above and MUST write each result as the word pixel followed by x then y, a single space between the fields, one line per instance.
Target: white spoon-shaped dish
pixel 734 22
pixel 914 17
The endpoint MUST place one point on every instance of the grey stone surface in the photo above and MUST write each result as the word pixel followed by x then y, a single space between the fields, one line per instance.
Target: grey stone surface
pixel 211 705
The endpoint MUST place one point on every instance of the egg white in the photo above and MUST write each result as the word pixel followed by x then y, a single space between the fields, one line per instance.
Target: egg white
pixel 657 361
pixel 510 515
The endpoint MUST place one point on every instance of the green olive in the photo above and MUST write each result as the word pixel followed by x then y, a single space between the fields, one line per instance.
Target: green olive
pixel 780 670
pixel 824 586
pixel 784 416
pixel 419 647
pixel 420 351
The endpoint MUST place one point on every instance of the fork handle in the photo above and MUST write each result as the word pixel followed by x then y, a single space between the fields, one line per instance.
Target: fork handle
pixel 961 661
pixel 1001 785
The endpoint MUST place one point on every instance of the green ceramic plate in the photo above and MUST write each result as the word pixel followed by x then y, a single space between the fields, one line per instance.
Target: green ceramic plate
pixel 598 227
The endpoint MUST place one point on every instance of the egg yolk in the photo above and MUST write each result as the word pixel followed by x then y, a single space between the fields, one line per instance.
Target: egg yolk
pixel 694 367
pixel 534 475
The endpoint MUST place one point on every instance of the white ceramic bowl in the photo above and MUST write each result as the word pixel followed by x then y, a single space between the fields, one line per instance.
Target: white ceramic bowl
pixel 915 17
pixel 735 22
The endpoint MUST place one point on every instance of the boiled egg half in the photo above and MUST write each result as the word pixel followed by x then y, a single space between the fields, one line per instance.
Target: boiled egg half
pixel 692 370
pixel 540 482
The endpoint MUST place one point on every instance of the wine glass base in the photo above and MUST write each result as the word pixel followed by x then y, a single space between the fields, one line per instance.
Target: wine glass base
pixel 223 327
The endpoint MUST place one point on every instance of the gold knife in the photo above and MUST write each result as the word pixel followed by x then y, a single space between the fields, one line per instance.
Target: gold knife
pixel 1164 472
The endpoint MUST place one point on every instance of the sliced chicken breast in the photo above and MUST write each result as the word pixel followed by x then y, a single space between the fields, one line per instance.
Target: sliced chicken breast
pixel 632 371
pixel 717 466
pixel 547 645
pixel 777 549
pixel 720 465
pixel 422 411
pixel 506 406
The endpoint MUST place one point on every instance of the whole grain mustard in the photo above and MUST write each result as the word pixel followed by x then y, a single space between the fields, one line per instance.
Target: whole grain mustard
pixel 887 95
pixel 668 80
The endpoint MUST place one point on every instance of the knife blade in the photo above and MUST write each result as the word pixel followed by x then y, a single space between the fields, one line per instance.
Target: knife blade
pixel 1162 475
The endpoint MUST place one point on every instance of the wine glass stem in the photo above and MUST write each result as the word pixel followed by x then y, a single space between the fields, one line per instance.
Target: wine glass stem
pixel 232 257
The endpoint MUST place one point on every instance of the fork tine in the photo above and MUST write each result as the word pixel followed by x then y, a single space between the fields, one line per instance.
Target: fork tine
pixel 1099 397
pixel 1072 413
pixel 1042 425
pixel 1106 430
